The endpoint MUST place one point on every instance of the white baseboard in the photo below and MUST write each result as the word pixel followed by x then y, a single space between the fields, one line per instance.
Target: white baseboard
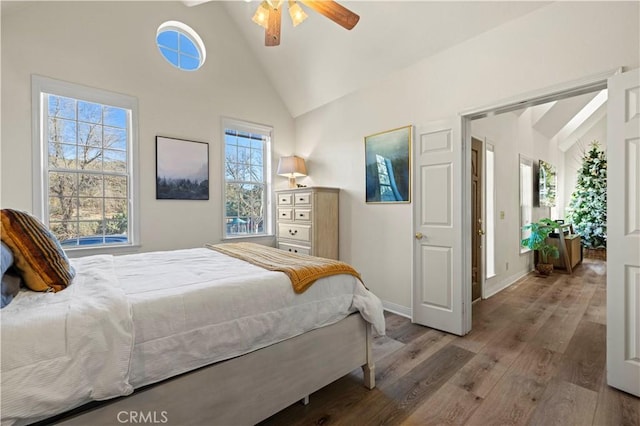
pixel 403 311
pixel 501 285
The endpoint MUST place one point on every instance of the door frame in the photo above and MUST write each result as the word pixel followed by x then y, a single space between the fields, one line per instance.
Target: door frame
pixel 564 90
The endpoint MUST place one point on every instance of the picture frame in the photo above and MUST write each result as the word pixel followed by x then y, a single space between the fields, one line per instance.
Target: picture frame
pixel 182 169
pixel 388 166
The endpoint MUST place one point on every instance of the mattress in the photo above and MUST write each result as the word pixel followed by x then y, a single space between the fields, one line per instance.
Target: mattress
pixel 129 321
pixel 194 307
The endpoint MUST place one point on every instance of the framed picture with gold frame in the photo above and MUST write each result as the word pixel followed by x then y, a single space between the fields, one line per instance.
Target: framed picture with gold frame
pixel 388 166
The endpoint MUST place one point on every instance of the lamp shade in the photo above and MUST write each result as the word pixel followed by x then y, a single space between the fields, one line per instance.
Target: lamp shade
pixel 292 166
pixel 296 13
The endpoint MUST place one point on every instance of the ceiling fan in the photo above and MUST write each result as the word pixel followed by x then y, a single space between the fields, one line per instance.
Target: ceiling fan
pixel 269 14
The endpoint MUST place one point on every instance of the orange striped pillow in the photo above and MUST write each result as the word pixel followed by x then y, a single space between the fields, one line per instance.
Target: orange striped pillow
pixel 37 252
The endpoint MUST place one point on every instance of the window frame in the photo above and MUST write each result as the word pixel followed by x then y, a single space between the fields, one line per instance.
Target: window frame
pixel 255 128
pixel 490 213
pixel 185 30
pixel 523 160
pixel 43 85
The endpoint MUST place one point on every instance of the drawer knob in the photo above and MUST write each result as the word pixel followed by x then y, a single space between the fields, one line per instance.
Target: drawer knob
pixel 293 232
pixel 301 215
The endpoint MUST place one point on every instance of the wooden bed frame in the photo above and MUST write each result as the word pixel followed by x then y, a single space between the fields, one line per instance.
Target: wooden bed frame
pixel 249 388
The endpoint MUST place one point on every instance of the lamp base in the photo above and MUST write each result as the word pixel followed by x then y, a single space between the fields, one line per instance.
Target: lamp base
pixel 292 182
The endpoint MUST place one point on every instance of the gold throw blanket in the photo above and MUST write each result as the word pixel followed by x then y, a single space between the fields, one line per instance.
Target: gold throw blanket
pixel 301 269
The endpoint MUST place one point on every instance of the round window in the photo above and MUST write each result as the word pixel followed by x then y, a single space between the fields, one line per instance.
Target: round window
pixel 180 45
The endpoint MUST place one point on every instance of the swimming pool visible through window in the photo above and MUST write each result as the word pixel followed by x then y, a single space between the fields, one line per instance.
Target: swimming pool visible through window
pixel 180 45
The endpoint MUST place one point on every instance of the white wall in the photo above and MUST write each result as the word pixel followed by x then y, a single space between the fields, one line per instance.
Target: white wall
pixel 562 42
pixel 111 46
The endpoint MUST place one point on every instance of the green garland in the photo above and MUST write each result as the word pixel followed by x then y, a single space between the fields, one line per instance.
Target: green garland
pixel 588 205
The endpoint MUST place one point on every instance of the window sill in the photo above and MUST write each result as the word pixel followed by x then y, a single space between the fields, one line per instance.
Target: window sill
pixel 270 237
pixel 89 251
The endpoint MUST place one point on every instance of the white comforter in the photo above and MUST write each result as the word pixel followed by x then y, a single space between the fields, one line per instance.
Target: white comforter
pixel 197 306
pixel 60 350
pixel 132 320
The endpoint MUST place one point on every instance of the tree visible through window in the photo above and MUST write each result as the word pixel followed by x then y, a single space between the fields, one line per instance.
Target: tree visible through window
pixel 87 170
pixel 246 184
pixel 83 160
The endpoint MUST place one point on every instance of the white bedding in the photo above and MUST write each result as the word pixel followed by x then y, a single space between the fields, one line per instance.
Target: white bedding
pixel 60 350
pixel 132 320
pixel 197 306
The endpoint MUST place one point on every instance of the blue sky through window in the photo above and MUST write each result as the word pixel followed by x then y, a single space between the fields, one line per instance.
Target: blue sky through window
pixel 179 49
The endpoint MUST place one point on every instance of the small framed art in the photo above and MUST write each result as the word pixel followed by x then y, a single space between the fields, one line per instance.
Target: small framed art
pixel 182 169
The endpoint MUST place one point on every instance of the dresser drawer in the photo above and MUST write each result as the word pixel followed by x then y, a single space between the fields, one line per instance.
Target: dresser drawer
pixel 302 214
pixel 294 249
pixel 285 214
pixel 285 199
pixel 303 198
pixel 294 232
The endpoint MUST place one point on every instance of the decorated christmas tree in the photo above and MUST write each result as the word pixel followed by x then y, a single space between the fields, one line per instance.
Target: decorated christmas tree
pixel 588 205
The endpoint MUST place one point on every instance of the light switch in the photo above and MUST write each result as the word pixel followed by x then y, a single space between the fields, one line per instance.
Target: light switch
pixel 501 214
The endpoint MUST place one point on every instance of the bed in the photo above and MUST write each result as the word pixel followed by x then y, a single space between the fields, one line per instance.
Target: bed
pixel 180 337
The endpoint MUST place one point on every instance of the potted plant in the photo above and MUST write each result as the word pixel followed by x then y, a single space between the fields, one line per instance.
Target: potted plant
pixel 537 241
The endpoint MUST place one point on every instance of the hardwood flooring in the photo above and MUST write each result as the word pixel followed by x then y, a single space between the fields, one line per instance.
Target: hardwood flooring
pixel 535 356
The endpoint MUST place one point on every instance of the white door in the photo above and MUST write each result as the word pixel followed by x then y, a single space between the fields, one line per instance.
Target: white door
pixel 438 276
pixel 623 232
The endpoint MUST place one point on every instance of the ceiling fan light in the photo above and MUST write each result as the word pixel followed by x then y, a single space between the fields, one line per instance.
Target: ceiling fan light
pixel 274 3
pixel 297 14
pixel 261 17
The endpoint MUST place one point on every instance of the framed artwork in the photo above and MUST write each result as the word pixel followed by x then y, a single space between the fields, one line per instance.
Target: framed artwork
pixel 182 169
pixel 547 182
pixel 388 166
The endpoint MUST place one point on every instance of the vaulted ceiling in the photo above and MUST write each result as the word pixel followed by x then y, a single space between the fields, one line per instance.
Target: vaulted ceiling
pixel 566 121
pixel 318 61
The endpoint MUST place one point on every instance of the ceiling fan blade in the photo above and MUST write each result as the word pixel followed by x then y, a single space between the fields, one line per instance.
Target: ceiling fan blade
pixel 272 33
pixel 334 11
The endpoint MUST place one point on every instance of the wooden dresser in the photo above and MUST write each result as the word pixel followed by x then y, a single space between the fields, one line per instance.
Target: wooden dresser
pixel 307 221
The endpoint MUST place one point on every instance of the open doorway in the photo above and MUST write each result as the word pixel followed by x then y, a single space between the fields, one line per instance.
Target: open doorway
pixel 507 149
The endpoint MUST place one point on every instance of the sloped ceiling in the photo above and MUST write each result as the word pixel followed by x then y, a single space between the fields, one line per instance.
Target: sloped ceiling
pixel 318 61
pixel 566 121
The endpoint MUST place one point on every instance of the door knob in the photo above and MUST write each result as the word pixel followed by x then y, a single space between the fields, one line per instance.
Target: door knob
pixel 419 235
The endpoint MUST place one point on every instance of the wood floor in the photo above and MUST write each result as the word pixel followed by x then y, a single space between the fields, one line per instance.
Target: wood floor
pixel 536 356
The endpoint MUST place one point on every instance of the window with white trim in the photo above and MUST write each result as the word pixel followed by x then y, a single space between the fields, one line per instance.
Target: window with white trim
pixel 180 45
pixel 84 164
pixel 490 221
pixel 247 182
pixel 526 198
